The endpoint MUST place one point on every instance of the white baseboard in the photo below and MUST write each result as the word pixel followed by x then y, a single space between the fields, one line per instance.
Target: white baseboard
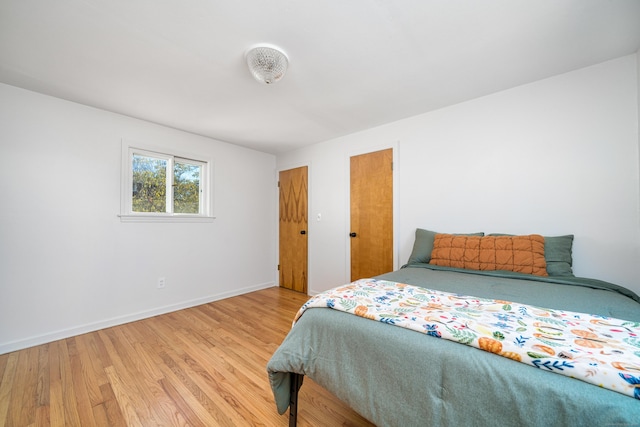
pixel 120 320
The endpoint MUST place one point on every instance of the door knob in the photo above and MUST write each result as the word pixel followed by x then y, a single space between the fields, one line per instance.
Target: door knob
pixel 352 234
pixel 303 232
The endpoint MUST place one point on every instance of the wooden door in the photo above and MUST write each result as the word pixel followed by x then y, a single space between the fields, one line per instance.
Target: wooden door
pixel 371 214
pixel 293 229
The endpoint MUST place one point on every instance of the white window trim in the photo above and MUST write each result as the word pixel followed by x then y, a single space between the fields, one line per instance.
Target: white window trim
pixel 126 178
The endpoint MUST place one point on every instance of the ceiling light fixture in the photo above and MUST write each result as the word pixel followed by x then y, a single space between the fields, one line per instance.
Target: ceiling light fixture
pixel 267 64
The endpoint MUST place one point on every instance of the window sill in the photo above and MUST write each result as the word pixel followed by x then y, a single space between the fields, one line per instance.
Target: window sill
pixel 165 218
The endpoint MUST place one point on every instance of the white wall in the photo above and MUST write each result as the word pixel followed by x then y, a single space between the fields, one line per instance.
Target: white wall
pixel 638 107
pixel 69 265
pixel 558 156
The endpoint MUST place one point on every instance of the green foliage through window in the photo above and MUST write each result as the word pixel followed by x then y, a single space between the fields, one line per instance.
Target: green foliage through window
pixel 149 184
pixel 186 188
pixel 157 189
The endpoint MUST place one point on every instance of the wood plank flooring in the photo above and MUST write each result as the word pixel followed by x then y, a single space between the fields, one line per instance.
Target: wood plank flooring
pixel 202 366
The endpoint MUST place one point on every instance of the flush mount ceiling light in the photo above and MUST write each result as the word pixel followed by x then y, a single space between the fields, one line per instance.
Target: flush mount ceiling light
pixel 267 64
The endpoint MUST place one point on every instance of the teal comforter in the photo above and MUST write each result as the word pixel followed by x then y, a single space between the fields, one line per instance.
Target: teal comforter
pixel 393 376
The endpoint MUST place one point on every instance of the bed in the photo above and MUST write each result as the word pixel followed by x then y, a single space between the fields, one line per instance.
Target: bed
pixel 396 376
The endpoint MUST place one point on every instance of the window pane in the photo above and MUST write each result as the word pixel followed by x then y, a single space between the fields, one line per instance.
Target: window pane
pixel 149 184
pixel 186 187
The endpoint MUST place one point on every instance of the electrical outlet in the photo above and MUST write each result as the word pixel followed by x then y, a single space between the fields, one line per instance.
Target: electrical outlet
pixel 161 282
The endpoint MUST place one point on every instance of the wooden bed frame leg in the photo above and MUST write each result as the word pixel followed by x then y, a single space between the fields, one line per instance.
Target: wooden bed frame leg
pixel 296 383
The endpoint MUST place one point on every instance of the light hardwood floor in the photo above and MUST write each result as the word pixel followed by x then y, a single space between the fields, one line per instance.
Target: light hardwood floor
pixel 202 366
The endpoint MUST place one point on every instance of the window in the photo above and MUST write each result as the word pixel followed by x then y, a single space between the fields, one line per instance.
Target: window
pixel 158 186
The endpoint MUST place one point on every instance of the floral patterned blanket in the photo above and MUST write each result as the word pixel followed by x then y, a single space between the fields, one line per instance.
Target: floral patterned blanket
pixel 599 350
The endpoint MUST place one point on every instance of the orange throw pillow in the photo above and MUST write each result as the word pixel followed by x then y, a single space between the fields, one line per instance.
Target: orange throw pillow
pixel 521 254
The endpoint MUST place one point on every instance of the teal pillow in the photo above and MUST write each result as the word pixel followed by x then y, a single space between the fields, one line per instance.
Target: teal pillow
pixel 423 245
pixel 557 254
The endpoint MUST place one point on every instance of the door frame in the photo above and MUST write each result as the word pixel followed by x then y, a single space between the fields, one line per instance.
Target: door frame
pixel 279 169
pixel 347 167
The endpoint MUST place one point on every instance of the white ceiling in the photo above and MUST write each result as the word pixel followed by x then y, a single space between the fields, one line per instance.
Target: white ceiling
pixel 354 64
